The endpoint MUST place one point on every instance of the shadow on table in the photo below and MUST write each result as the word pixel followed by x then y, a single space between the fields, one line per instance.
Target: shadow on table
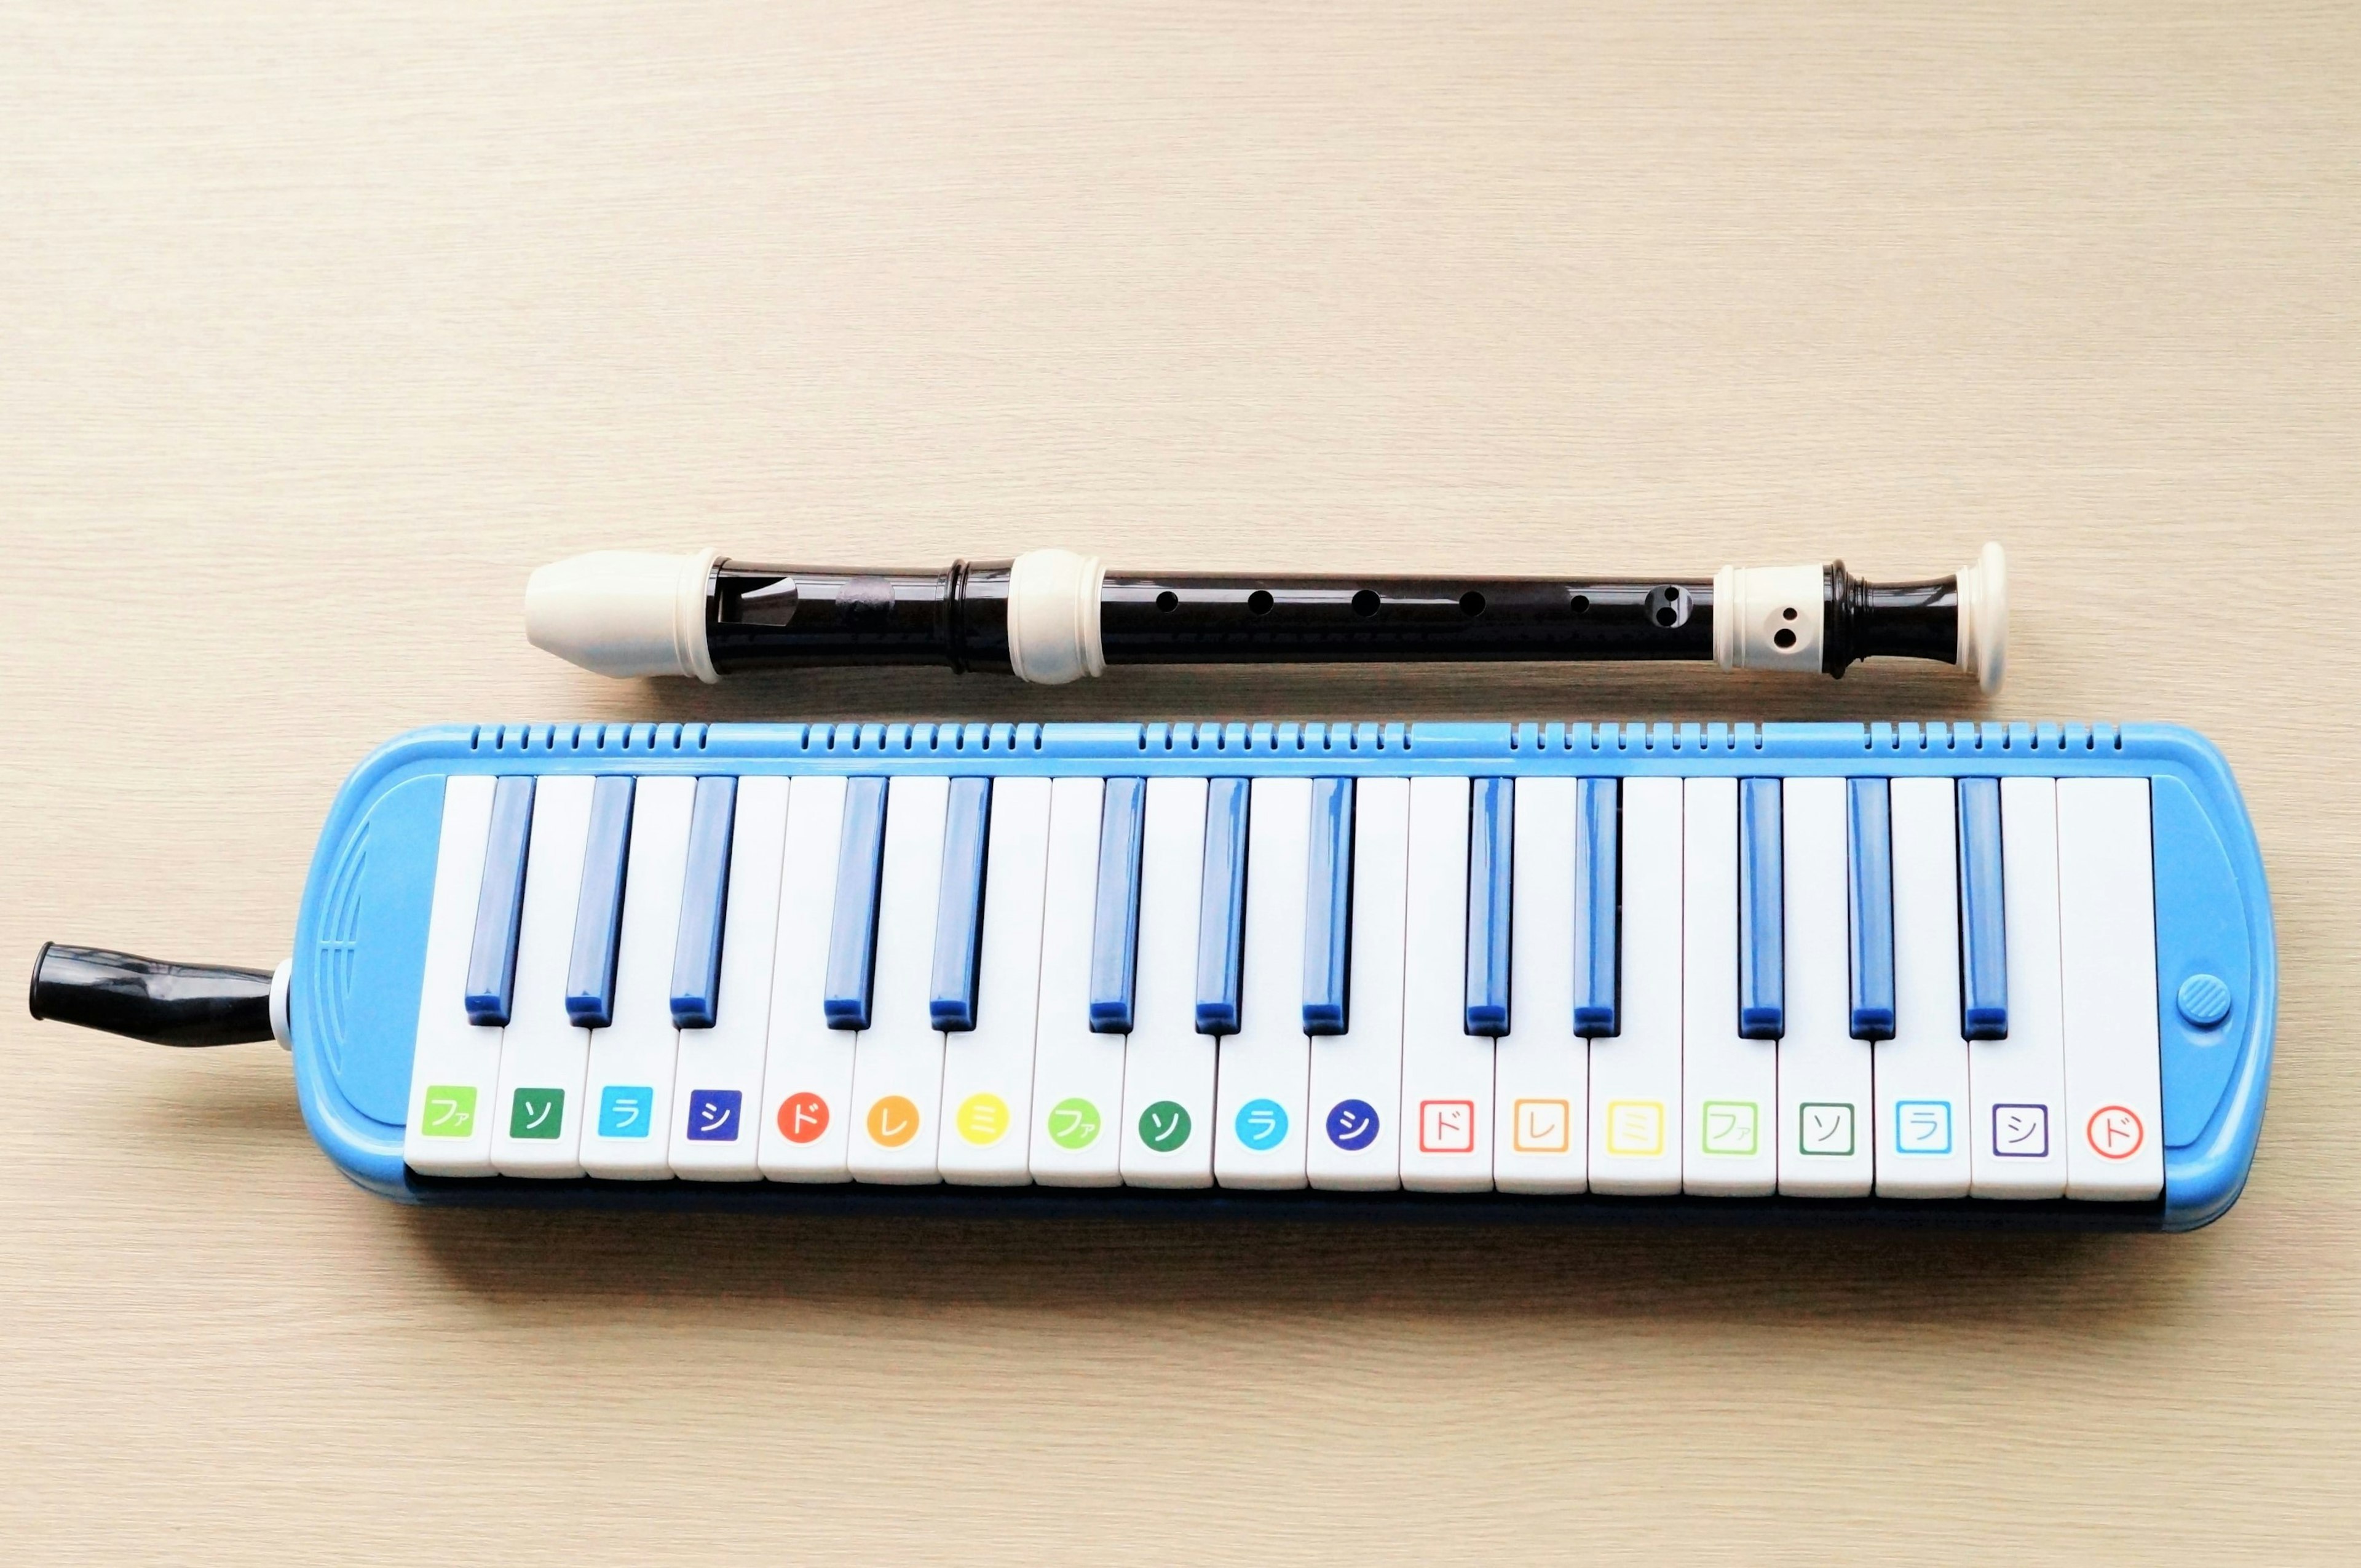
pixel 750 1264
pixel 1886 689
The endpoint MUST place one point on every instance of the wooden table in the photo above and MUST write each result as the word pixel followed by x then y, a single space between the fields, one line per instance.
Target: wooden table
pixel 323 326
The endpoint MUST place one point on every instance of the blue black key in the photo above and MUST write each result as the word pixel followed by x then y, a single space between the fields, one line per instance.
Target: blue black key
pixel 853 924
pixel 1762 912
pixel 958 906
pixel 1597 869
pixel 1984 928
pixel 500 903
pixel 703 896
pixel 1870 842
pixel 598 914
pixel 1491 829
pixel 1222 908
pixel 1328 910
pixel 1115 929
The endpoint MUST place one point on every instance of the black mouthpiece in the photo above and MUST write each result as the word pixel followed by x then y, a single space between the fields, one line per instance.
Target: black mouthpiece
pixel 168 1004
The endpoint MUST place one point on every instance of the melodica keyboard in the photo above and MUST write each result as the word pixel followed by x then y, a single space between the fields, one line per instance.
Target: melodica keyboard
pixel 1988 970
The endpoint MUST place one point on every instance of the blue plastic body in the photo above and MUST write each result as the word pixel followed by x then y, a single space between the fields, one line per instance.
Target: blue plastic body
pixel 1222 908
pixel 853 924
pixel 1761 912
pixel 1114 923
pixel 499 905
pixel 598 914
pixel 361 933
pixel 1598 889
pixel 1983 931
pixel 2211 926
pixel 1491 856
pixel 1328 910
pixel 704 898
pixel 1869 895
pixel 958 906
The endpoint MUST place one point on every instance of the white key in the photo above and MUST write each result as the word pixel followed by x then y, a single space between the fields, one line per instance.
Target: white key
pixel 1729 1086
pixel 1635 1076
pixel 455 1067
pixel 1542 1067
pixel 1824 1073
pixel 1446 1103
pixel 543 1055
pixel 1166 1063
pixel 897 1063
pixel 1076 1075
pixel 1268 1063
pixel 628 1093
pixel 2019 1083
pixel 717 1088
pixel 2106 897
pixel 1356 1076
pixel 988 1070
pixel 1921 1074
pixel 807 1067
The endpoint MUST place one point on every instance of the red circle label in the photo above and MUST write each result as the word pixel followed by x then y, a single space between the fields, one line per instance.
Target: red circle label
pixel 2114 1131
pixel 802 1117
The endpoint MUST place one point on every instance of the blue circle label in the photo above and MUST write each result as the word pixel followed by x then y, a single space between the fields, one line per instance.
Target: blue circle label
pixel 1353 1124
pixel 1261 1123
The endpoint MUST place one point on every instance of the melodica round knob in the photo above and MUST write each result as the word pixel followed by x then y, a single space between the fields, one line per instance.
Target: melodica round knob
pixel 1054 616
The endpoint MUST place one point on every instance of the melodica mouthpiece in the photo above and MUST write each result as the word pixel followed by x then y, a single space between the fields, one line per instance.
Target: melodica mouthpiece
pixel 163 1003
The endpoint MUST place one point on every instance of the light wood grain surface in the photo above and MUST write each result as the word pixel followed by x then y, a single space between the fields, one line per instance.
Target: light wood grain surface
pixel 321 325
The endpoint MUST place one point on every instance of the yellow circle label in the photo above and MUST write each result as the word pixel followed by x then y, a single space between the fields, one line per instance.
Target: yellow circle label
pixel 983 1118
pixel 892 1122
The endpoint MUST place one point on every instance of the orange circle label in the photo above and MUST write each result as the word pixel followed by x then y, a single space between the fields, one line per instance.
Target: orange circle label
pixel 892 1122
pixel 802 1117
pixel 2115 1132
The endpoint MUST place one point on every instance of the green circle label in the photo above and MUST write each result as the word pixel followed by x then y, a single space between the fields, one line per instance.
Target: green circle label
pixel 1164 1126
pixel 1072 1124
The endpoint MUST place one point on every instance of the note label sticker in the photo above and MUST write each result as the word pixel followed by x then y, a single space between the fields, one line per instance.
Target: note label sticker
pixel 713 1115
pixel 1824 1129
pixel 537 1113
pixel 1922 1126
pixel 1164 1126
pixel 1727 1126
pixel 1072 1124
pixel 1542 1126
pixel 892 1120
pixel 1262 1124
pixel 2021 1132
pixel 802 1118
pixel 2115 1132
pixel 449 1110
pixel 625 1110
pixel 1353 1124
pixel 981 1119
pixel 1446 1126
pixel 1635 1127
